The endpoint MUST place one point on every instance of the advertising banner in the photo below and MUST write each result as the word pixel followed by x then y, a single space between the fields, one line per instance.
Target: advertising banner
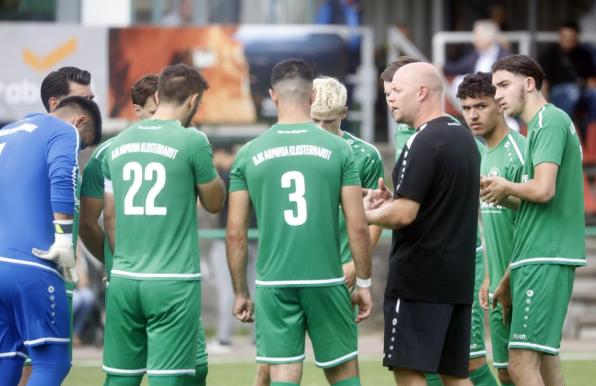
pixel 31 50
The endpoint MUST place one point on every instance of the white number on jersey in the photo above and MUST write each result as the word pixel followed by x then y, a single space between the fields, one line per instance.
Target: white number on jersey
pixel 297 196
pixel 134 171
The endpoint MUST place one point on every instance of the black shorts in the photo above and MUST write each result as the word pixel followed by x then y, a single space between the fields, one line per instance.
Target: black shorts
pixel 429 337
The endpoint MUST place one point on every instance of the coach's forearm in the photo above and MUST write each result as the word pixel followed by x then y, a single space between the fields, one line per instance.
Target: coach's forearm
pixel 375 234
pixel 236 252
pixel 388 216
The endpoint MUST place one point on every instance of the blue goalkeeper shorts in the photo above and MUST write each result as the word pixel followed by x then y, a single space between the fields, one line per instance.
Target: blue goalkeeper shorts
pixel 33 309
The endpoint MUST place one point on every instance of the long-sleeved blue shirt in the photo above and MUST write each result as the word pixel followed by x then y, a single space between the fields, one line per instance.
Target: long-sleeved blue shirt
pixel 38 174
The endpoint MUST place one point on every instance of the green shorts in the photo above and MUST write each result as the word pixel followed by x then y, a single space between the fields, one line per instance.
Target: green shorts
pixel 540 296
pixel 284 315
pixel 477 345
pixel 499 335
pixel 152 327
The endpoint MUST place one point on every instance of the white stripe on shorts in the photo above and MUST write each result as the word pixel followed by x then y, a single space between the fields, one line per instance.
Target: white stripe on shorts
pixel 123 371
pixel 338 360
pixel 45 340
pixel 13 354
pixel 278 360
pixel 540 347
pixel 172 372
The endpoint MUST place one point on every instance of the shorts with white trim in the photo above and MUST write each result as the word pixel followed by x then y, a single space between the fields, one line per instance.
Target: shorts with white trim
pixel 33 309
pixel 540 297
pixel 477 344
pixel 428 337
pixel 151 327
pixel 284 315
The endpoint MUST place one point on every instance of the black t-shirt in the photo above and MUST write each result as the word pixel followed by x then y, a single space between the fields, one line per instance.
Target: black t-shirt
pixel 567 67
pixel 432 259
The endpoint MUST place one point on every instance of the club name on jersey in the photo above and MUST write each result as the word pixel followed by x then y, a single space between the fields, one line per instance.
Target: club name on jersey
pixel 486 205
pixel 145 147
pixel 291 151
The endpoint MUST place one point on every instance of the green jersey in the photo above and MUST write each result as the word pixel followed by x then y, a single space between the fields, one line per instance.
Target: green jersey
pixel 92 186
pixel 401 134
pixel 370 168
pixel 294 174
pixel 504 160
pixel 552 233
pixel 153 169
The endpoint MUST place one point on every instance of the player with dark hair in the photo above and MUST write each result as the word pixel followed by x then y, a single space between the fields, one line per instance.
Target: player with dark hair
pixel 36 233
pixel 154 171
pixel 296 175
pixel 503 157
pixel 66 81
pixel 143 96
pixel 548 241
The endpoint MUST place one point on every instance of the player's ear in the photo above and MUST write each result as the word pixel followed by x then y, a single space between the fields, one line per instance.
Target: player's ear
pixel 530 83
pixel 195 99
pixel 80 121
pixel 137 109
pixel 313 95
pixel 344 113
pixel 273 96
pixel 422 92
pixel 156 96
pixel 53 103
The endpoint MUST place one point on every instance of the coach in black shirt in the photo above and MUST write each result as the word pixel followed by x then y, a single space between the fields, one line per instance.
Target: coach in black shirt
pixel 434 214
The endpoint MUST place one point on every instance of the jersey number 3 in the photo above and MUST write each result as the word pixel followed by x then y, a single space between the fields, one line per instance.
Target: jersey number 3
pixel 134 171
pixel 297 179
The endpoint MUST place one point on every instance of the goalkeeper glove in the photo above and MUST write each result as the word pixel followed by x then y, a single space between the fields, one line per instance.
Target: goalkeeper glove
pixel 61 251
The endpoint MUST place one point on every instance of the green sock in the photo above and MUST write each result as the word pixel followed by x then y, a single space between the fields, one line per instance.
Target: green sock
pixel 507 384
pixel 433 380
pixel 284 384
pixel 483 377
pixel 354 381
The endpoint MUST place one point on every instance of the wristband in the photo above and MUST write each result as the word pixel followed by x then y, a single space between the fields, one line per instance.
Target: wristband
pixel 63 226
pixel 363 283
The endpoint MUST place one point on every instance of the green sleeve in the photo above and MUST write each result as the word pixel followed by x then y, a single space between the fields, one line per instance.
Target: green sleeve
pixel 238 172
pixel 201 158
pixel 373 170
pixel 349 170
pixel 92 184
pixel 549 143
pixel 105 169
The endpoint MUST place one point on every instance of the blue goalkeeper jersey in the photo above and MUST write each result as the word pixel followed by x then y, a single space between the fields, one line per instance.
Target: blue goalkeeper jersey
pixel 38 173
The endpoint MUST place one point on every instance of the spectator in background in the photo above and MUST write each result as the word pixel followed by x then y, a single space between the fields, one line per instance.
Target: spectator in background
pixel 487 49
pixel 181 13
pixel 570 73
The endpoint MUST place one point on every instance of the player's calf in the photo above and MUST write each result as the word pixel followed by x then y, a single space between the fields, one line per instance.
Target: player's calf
pixel 346 374
pixel 50 364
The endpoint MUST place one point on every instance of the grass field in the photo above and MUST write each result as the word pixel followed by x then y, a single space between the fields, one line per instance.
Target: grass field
pixel 577 373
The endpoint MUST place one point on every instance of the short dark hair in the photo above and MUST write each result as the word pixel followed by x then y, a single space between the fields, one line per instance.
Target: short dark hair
pixel 87 107
pixel 291 69
pixel 522 65
pixel 143 89
pixel 55 84
pixel 476 85
pixel 571 24
pixel 391 69
pixel 178 82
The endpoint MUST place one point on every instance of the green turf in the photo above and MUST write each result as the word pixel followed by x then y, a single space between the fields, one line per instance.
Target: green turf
pixel 577 373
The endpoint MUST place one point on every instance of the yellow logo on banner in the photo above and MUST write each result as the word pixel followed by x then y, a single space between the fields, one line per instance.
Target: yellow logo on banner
pixel 44 63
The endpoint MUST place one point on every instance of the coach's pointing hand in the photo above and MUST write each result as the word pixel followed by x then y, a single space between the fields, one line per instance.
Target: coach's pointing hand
pixel 243 309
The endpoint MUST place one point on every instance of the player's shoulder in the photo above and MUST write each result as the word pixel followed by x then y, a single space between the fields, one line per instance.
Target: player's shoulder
pixel 551 116
pixel 360 145
pixel 101 149
pixel 517 138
